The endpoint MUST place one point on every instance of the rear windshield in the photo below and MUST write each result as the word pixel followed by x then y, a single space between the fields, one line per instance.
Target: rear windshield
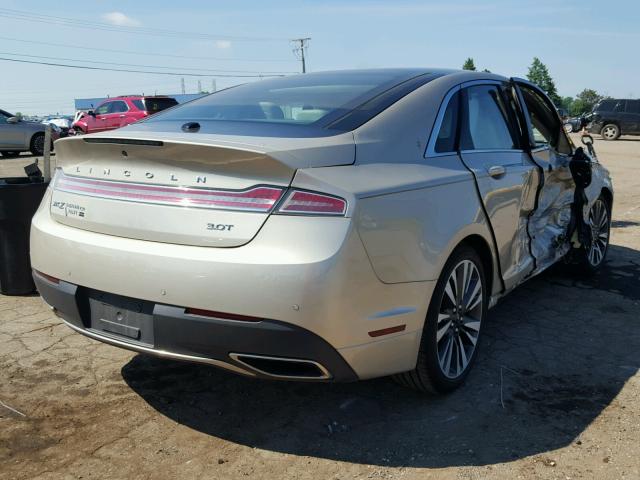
pixel 155 105
pixel 299 99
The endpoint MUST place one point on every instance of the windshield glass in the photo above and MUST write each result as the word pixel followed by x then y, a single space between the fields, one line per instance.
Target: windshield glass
pixel 299 99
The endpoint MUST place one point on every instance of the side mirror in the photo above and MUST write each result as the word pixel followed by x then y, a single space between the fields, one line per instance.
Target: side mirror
pixel 13 120
pixel 92 113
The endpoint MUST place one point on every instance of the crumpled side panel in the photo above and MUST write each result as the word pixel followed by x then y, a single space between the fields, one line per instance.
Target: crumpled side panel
pixel 549 223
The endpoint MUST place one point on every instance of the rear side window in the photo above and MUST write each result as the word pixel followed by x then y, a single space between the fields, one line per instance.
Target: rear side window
pixel 118 107
pixel 486 121
pixel 633 106
pixel 138 103
pixel 446 141
pixel 155 105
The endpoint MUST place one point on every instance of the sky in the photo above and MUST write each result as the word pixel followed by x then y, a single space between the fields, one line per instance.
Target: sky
pixel 583 44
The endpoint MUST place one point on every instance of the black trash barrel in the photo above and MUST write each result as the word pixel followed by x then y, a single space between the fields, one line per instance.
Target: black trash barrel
pixel 19 200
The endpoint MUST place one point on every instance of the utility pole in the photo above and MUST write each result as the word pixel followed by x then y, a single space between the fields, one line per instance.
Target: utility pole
pixel 182 83
pixel 300 44
pixel 213 85
pixel 199 87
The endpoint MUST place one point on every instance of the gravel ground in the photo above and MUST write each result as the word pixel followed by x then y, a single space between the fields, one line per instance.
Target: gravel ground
pixel 555 394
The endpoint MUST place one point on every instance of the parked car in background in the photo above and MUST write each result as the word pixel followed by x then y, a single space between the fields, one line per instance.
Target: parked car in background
pixel 614 117
pixel 17 135
pixel 62 122
pixel 117 112
pixel 331 226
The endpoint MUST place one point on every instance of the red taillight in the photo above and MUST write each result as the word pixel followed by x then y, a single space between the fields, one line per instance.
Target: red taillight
pixel 311 203
pixel 256 199
pixel 223 316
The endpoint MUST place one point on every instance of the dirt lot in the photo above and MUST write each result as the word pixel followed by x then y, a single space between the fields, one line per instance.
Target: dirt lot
pixel 555 394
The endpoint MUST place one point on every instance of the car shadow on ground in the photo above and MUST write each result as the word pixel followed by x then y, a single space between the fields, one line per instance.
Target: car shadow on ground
pixel 555 353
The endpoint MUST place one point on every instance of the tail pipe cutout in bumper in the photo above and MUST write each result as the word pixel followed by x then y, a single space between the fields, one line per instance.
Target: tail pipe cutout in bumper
pixel 263 348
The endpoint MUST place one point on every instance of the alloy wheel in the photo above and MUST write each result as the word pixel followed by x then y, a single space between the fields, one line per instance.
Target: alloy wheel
pixel 599 224
pixel 459 319
pixel 609 133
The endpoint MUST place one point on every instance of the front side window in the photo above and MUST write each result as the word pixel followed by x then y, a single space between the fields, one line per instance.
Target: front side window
pixel 103 109
pixel 3 118
pixel 547 130
pixel 487 123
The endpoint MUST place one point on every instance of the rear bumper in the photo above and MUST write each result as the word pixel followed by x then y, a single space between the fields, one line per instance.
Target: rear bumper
pixel 303 274
pixel 229 344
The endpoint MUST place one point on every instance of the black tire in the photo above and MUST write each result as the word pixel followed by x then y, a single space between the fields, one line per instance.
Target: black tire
pixel 610 131
pixel 37 144
pixel 590 258
pixel 10 154
pixel 429 375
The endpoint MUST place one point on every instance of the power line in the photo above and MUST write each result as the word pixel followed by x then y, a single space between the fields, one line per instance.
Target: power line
pixel 85 67
pixel 139 66
pixel 147 54
pixel 299 50
pixel 136 30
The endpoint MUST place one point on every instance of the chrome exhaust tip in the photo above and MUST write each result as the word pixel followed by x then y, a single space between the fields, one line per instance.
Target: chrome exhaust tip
pixel 282 368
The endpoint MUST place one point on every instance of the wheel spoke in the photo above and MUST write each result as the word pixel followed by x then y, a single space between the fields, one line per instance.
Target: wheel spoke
pixel 463 356
pixel 471 323
pixel 450 294
pixel 471 338
pixel 475 297
pixel 443 330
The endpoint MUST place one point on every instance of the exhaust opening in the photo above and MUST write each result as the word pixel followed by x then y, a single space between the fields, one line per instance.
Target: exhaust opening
pixel 286 368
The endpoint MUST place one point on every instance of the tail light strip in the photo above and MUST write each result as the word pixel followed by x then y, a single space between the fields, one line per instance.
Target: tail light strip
pixel 256 199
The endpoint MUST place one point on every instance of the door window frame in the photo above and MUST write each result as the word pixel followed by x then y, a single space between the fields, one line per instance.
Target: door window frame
pixel 533 147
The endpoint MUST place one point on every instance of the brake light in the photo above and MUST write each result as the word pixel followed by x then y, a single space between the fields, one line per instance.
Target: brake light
pixel 311 203
pixel 256 199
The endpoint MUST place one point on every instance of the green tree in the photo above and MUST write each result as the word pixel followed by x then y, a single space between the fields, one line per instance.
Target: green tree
pixel 539 74
pixel 585 101
pixel 18 114
pixel 469 65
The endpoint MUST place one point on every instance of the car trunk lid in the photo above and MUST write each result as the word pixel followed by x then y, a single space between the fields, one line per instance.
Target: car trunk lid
pixel 213 191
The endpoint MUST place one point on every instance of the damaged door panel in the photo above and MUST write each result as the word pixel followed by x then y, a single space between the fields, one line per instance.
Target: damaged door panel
pixel 506 178
pixel 567 189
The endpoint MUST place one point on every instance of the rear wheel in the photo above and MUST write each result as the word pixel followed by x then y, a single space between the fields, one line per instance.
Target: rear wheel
pixel 610 131
pixel 37 144
pixel 451 333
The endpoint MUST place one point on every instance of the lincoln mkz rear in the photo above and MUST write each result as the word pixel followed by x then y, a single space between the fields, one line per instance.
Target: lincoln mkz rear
pixel 323 227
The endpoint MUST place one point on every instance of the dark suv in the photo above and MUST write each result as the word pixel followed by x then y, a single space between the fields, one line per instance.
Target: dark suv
pixel 612 118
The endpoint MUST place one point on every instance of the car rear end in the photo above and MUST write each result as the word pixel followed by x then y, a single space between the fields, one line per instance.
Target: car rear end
pixel 221 248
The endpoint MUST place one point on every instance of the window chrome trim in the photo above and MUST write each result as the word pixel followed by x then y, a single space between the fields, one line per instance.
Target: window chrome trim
pixel 493 150
pixel 435 131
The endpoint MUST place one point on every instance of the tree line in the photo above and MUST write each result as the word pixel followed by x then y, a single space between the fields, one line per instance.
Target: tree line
pixel 538 73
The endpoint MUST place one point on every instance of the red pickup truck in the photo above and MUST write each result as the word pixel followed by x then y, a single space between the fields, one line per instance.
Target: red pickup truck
pixel 117 112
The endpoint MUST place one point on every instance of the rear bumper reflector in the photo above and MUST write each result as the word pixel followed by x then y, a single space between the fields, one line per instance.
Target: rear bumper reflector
pixel 387 331
pixel 255 199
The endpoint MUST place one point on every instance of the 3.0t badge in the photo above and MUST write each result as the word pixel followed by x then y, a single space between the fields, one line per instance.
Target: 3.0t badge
pixel 220 227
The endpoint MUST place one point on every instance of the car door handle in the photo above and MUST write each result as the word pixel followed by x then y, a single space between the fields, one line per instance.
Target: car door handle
pixel 496 171
pixel 122 116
